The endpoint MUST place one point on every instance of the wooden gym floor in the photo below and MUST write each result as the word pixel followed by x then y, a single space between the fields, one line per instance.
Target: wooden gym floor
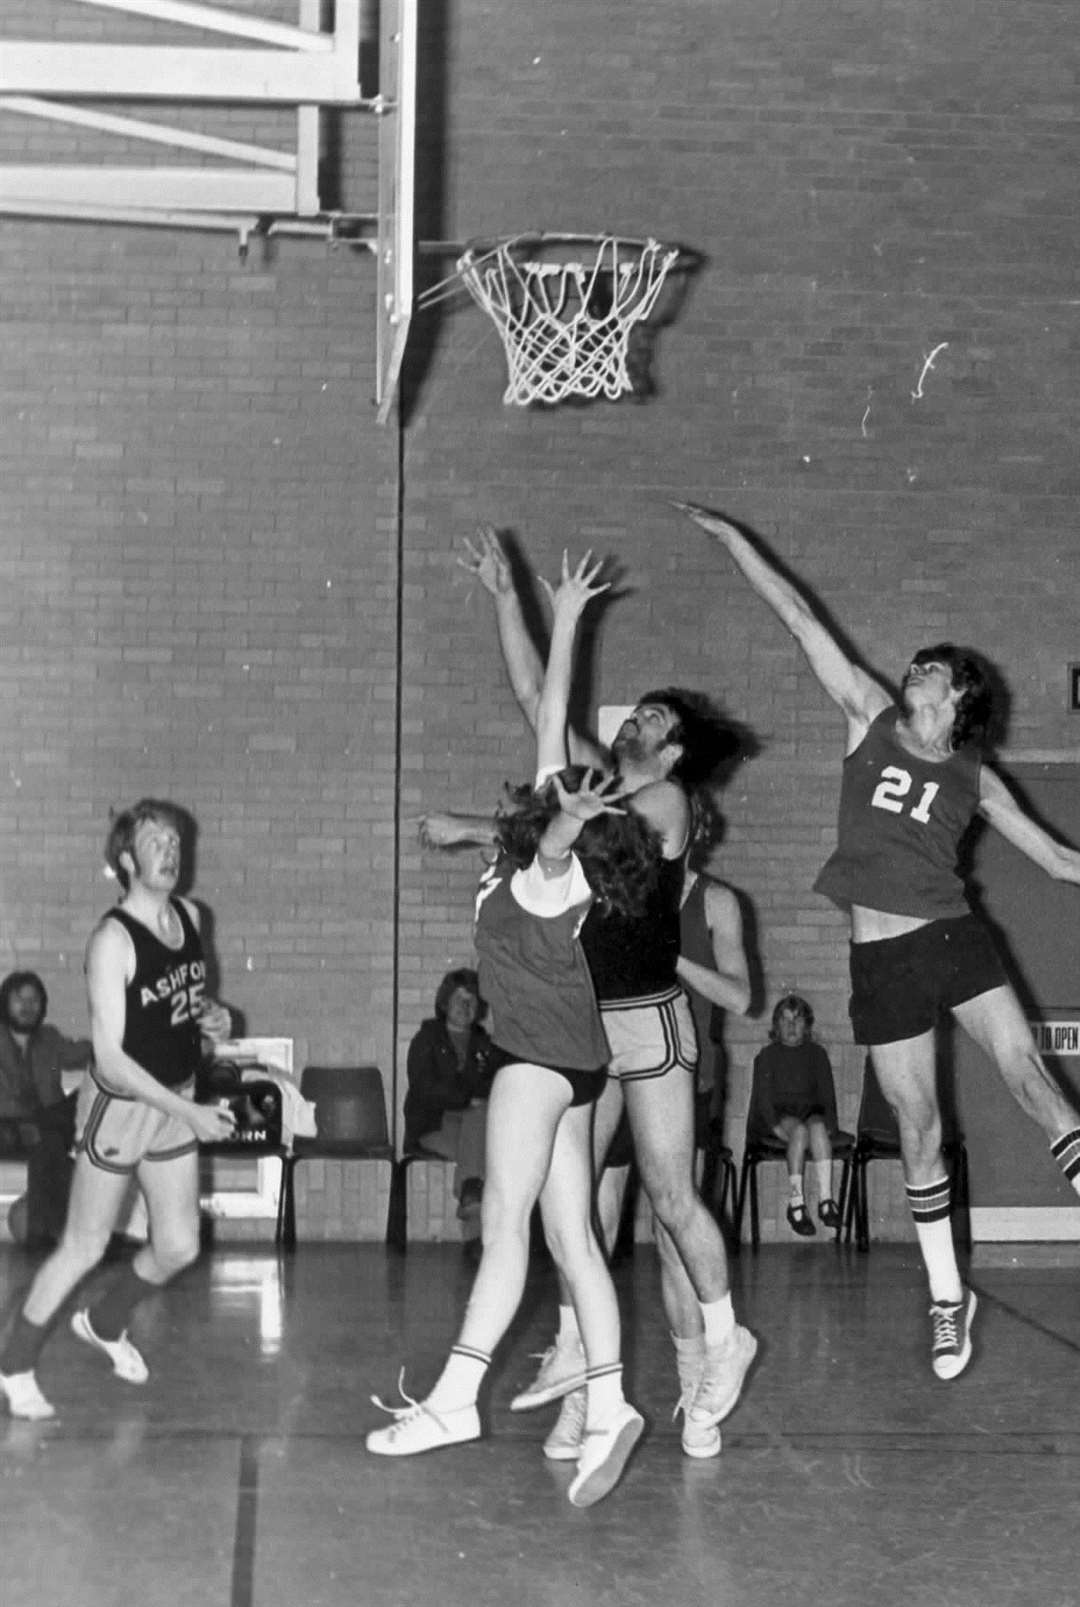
pixel 237 1477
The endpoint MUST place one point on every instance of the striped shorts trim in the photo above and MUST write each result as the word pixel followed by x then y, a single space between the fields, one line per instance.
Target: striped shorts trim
pixel 650 1037
pixel 116 1134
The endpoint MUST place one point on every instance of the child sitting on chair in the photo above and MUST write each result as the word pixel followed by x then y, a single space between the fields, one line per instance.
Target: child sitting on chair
pixel 794 1099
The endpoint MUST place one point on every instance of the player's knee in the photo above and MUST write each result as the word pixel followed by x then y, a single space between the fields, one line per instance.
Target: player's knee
pixel 84 1248
pixel 503 1215
pixel 920 1133
pixel 176 1253
pixel 673 1205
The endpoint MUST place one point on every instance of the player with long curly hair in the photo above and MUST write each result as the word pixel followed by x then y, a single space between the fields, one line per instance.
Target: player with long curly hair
pixel 564 845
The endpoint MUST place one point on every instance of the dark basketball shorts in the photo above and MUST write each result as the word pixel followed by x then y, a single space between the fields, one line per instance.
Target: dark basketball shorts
pixel 902 986
pixel 650 1037
pixel 116 1133
pixel 585 1086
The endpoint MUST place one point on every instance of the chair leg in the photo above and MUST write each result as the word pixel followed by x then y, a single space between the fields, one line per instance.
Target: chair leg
pixel 850 1206
pixel 709 1165
pixel 740 1205
pixel 862 1212
pixel 959 1199
pixel 397 1215
pixel 728 1186
pixel 755 1215
pixel 285 1234
pixel 845 1189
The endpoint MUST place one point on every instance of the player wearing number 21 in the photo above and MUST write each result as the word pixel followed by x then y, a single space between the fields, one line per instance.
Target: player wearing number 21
pixel 913 779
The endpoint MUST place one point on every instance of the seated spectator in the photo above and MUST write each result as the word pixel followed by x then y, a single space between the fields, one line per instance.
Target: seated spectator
pixel 794 1099
pixel 32 1056
pixel 450 1068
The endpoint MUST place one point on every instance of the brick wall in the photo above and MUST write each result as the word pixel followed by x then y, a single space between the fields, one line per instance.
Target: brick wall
pixel 200 519
pixel 867 182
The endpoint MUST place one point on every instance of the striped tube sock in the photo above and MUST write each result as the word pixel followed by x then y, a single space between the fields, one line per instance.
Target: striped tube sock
pixel 930 1211
pixel 604 1393
pixel 459 1382
pixel 1066 1151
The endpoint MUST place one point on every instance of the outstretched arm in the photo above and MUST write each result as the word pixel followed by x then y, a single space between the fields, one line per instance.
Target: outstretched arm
pixel 524 666
pixel 569 599
pixel 456 831
pixel 859 696
pixel 1002 811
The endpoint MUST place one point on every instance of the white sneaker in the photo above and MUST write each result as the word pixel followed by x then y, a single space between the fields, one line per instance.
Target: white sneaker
pixel 951 1346
pixel 562 1368
pixel 126 1361
pixel 24 1398
pixel 419 1427
pixel 699 1439
pixel 563 1444
pixel 722 1378
pixel 604 1454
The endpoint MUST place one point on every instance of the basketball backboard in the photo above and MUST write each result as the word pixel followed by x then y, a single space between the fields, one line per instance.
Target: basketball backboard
pixel 209 179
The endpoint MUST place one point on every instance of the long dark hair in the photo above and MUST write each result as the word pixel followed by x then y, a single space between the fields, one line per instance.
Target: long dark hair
pixel 14 983
pixel 620 854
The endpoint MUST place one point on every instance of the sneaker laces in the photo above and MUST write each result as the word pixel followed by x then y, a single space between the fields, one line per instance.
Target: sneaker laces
pixel 944 1318
pixel 399 1412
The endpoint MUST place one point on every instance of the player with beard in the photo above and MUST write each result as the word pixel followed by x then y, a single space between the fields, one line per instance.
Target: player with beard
pixel 671 745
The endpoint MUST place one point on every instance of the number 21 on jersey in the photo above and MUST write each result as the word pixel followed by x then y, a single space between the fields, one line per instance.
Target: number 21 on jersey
pixel 892 790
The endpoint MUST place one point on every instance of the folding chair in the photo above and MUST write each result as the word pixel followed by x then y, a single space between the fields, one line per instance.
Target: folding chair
pixel 350 1122
pixel 767 1147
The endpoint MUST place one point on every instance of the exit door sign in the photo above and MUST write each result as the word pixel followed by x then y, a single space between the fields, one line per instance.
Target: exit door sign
pixel 1057 1037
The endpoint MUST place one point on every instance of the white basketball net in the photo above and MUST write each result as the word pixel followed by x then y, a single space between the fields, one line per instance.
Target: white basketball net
pixel 565 326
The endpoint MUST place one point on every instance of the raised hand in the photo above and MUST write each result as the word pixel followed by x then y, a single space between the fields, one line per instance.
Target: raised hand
pixel 576 588
pixel 487 561
pixel 597 795
pixel 439 831
pixel 714 524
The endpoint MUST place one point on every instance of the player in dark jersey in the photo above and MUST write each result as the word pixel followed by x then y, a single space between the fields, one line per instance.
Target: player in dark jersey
pixel 912 781
pixel 671 745
pixel 149 1014
pixel 713 966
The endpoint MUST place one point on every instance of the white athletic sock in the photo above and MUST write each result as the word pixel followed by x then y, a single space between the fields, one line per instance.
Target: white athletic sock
pixel 689 1358
pixel 930 1211
pixel 459 1382
pixel 795 1193
pixel 603 1394
pixel 719 1318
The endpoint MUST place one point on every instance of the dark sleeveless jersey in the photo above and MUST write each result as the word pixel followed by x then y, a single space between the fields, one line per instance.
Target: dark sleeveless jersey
pixel 635 957
pixel 900 824
pixel 164 998
pixel 534 979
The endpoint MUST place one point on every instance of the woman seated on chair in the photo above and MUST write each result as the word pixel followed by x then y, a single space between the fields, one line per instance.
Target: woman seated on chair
pixel 794 1099
pixel 451 1063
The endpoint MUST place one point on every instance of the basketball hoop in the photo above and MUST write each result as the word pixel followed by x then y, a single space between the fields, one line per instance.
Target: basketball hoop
pixel 565 306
